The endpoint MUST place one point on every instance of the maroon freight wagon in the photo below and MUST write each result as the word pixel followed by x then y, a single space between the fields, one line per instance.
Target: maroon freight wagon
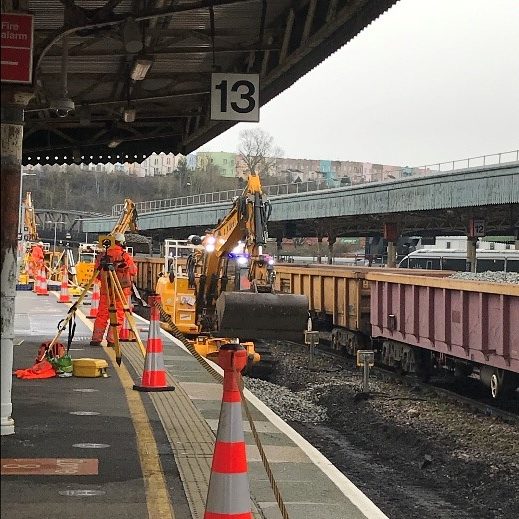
pixel 467 325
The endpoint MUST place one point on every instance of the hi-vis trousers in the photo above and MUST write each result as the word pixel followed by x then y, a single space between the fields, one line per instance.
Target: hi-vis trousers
pixel 103 316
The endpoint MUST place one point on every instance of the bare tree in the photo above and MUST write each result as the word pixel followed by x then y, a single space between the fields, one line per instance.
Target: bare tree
pixel 258 151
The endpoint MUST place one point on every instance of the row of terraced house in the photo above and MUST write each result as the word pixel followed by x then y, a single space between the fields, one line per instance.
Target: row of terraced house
pixel 227 164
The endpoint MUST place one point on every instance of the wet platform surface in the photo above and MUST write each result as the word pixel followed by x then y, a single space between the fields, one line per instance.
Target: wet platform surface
pixel 153 450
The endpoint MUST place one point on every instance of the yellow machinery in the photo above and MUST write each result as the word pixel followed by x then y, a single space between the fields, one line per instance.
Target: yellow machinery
pixel 85 262
pixel 87 252
pixel 29 219
pixel 29 238
pixel 210 300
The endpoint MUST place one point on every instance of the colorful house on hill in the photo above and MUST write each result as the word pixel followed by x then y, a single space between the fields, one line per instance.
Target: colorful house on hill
pixel 224 162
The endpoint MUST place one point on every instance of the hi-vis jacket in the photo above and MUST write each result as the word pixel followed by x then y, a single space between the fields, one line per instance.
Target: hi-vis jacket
pixel 124 265
pixel 37 255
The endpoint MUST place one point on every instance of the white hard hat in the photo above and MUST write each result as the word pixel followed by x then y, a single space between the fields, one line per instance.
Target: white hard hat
pixel 40 243
pixel 119 236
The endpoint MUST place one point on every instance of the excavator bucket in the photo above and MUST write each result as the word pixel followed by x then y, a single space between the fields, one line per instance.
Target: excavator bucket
pixel 255 316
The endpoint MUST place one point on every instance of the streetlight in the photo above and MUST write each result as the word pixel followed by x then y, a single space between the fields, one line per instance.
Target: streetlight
pixel 55 230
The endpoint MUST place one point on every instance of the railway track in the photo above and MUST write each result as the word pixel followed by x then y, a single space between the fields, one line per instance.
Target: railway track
pixel 477 403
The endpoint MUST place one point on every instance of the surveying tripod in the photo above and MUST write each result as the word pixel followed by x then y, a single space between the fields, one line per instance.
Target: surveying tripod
pixel 113 289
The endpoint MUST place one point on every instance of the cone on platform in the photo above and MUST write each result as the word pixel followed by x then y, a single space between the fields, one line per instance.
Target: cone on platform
pixel 94 304
pixel 64 295
pixel 126 334
pixel 154 374
pixel 228 496
pixel 43 291
pixel 36 288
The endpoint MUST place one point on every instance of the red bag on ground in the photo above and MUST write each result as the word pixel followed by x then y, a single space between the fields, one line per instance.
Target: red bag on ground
pixel 41 369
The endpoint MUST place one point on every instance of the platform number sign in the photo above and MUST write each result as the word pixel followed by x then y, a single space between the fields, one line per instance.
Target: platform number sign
pixel 235 97
pixel 477 228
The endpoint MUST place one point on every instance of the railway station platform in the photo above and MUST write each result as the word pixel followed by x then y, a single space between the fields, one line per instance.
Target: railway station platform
pixel 94 447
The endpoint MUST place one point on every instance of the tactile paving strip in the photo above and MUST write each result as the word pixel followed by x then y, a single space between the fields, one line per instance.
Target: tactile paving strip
pixel 191 438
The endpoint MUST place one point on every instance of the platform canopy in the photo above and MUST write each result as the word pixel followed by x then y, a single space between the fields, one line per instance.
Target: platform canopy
pixel 139 71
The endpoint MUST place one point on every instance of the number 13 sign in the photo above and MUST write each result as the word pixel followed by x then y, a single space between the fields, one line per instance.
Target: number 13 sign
pixel 235 97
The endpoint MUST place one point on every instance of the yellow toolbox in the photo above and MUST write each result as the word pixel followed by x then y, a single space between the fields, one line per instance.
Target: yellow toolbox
pixel 89 368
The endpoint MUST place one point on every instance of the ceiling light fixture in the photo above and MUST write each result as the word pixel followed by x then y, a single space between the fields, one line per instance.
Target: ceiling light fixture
pixel 132 36
pixel 129 115
pixel 63 105
pixel 140 68
pixel 114 143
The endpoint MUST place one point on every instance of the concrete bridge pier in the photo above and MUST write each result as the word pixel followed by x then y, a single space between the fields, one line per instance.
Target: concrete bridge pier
pixel 391 236
pixel 319 248
pixel 391 255
pixel 331 242
pixel 13 103
pixel 279 245
pixel 471 254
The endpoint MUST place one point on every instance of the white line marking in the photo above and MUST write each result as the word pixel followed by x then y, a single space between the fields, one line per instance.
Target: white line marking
pixel 10 63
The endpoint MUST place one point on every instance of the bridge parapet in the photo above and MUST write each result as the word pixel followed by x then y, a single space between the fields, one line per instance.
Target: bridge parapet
pixel 450 198
pixel 388 175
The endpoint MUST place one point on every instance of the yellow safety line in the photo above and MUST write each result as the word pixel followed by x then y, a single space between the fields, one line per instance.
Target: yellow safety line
pixel 157 495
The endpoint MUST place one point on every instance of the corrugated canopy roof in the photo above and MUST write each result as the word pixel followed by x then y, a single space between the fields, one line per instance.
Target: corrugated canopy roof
pixel 186 40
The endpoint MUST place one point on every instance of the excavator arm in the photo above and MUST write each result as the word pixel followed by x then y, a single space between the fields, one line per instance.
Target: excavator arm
pixel 30 218
pixel 127 219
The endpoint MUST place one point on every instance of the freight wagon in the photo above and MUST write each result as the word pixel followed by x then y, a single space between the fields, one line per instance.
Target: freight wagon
pixel 415 320
pixel 460 324
pixel 339 299
pixel 148 272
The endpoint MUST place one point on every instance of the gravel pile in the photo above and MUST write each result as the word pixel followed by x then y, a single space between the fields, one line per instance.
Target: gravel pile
pixel 289 405
pixel 489 276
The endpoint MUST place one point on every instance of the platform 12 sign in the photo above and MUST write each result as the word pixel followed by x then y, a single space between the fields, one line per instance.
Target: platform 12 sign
pixel 235 97
pixel 16 48
pixel 476 228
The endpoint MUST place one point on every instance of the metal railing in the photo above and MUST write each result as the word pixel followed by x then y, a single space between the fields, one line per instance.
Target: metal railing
pixel 387 175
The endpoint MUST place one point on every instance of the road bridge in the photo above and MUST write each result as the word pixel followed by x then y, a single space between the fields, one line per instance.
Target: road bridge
pixel 69 220
pixel 433 205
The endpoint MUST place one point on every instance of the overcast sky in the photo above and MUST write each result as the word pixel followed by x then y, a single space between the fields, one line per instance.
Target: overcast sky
pixel 429 81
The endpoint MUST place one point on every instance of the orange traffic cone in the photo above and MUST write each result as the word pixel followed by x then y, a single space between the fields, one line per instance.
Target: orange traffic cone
pixel 94 304
pixel 64 295
pixel 36 288
pixel 43 283
pixel 126 334
pixel 228 496
pixel 154 374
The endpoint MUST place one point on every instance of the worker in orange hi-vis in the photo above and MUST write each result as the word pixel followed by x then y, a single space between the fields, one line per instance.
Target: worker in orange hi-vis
pixel 37 258
pixel 125 270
